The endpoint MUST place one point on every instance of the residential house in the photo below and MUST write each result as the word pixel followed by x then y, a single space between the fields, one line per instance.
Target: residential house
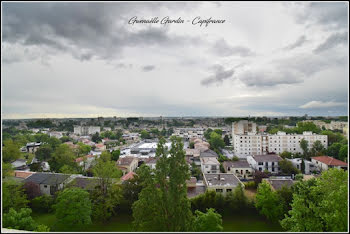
pixel 240 168
pixel 151 162
pixel 19 164
pixel 49 182
pixel 326 162
pixel 86 183
pixel 210 165
pixel 277 184
pixel 33 147
pixel 127 164
pixel 267 162
pixel 100 147
pixel 221 182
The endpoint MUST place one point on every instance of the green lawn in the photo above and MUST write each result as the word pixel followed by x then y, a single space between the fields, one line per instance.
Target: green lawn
pixel 122 223
pixel 249 223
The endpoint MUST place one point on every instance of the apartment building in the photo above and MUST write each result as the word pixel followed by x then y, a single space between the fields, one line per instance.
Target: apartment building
pixel 86 130
pixel 247 142
pixel 221 182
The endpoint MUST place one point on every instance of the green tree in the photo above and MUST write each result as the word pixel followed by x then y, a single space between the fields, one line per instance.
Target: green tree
pixel 207 133
pixel 207 222
pixel 20 220
pixel 285 195
pixel 67 169
pixel 304 144
pixel 13 196
pixel 84 149
pixel 343 153
pixel 115 154
pixel 7 169
pixel 333 137
pixel 96 137
pixel 105 170
pixel 334 150
pixel 227 140
pixel 191 146
pixel 163 204
pixel 63 155
pixel 42 204
pixel 268 203
pixel 319 205
pixel 286 154
pixel 73 208
pixel 216 142
pixel 103 205
pixel 317 148
pixel 287 167
pixel 44 153
pixel 145 134
pixel 10 151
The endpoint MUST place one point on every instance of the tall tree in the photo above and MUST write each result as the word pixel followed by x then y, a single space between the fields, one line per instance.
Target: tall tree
pixel 343 153
pixel 13 196
pixel 63 155
pixel 320 205
pixel 163 204
pixel 10 151
pixel 44 152
pixel 304 145
pixel 268 202
pixel 73 208
pixel 317 148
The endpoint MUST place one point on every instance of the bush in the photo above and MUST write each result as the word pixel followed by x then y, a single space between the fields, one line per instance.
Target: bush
pixel 42 204
pixel 250 184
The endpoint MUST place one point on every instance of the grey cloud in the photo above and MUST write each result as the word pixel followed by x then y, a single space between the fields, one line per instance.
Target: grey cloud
pixel 301 40
pixel 331 15
pixel 84 30
pixel 220 74
pixel 272 77
pixel 332 41
pixel 222 48
pixel 148 68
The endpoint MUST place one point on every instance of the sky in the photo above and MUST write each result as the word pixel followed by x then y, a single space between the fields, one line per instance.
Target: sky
pixel 64 59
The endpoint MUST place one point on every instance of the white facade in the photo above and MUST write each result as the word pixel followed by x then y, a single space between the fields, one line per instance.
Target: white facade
pixel 309 166
pixel 255 144
pixel 86 130
pixel 265 162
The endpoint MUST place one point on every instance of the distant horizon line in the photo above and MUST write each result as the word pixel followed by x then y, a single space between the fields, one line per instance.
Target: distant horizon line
pixel 202 116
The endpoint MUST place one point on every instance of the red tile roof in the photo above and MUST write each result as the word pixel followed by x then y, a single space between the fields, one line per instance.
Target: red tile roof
pixel 23 174
pixel 330 161
pixel 82 158
pixel 128 176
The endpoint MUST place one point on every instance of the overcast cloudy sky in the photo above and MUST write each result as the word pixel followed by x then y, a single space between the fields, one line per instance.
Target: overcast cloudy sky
pixel 85 60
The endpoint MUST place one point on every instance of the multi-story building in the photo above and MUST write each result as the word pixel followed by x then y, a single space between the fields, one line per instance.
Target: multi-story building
pixel 86 130
pixel 250 143
pixel 267 162
pixel 309 166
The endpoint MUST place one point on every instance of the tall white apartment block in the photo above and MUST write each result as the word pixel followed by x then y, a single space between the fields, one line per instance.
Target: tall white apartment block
pixel 250 143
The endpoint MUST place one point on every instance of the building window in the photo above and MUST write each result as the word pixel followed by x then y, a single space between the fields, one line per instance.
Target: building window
pixel 260 163
pixel 45 186
pixel 219 190
pixel 228 190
